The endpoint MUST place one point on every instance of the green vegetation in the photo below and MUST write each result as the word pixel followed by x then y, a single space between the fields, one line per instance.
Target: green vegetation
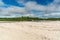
pixel 27 19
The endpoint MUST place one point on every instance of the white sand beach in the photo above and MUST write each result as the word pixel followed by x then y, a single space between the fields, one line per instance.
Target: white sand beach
pixel 44 30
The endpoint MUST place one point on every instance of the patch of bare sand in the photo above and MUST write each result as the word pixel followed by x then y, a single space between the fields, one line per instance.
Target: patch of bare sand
pixel 47 30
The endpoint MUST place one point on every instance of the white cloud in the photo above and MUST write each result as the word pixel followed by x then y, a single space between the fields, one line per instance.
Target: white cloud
pixel 31 6
pixel 1 3
pixel 53 14
pixel 35 6
pixel 13 9
pixel 30 15
pixel 54 6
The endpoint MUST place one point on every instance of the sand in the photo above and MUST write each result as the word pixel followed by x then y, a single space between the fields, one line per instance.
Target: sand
pixel 44 30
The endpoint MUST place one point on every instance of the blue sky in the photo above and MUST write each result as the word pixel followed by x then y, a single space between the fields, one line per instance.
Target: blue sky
pixel 15 3
pixel 31 8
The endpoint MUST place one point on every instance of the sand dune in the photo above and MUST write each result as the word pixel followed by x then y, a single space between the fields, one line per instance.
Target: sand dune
pixel 44 30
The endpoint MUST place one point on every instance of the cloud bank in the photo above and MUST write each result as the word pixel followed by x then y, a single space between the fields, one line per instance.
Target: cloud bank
pixel 31 8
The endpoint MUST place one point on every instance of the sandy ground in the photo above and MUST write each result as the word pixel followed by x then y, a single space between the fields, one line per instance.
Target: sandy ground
pixel 44 30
